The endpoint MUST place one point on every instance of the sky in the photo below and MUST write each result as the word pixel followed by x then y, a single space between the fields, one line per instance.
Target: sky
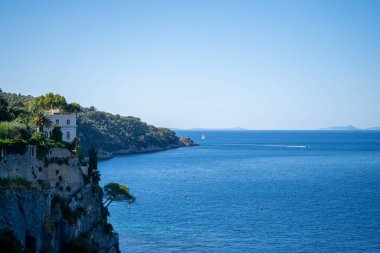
pixel 264 65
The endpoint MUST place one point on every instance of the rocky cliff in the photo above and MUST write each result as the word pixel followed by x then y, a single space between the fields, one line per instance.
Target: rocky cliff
pixel 49 205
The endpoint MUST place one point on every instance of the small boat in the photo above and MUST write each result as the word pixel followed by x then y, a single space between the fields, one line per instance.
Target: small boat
pixel 203 137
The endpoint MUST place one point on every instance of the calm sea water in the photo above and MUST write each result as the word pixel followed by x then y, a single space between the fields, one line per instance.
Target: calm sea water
pixel 252 191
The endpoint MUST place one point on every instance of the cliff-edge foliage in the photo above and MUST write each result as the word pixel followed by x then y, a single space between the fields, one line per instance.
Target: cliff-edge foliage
pixel 102 130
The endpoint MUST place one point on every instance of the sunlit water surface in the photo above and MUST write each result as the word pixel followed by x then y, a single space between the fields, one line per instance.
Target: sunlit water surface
pixel 252 191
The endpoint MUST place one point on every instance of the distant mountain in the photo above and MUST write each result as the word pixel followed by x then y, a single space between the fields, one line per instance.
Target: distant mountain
pixel 373 128
pixel 349 127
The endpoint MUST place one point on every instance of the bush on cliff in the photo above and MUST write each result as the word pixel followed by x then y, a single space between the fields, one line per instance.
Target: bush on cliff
pixel 14 130
pixel 16 182
pixel 14 146
pixel 105 131
pixel 9 242
pixel 81 244
pixel 56 134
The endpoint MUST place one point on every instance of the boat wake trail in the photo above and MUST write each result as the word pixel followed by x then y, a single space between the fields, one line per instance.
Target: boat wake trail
pixel 269 145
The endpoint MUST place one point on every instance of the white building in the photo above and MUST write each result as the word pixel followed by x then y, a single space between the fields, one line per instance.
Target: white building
pixel 67 122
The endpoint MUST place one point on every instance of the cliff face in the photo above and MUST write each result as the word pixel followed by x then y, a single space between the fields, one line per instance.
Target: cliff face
pixel 53 212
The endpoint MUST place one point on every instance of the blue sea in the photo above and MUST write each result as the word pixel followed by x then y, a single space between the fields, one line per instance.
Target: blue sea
pixel 252 191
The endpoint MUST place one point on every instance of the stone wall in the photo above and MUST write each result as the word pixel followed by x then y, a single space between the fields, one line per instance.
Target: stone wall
pixel 59 169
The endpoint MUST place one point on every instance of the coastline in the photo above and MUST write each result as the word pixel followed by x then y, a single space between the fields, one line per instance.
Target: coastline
pixel 184 142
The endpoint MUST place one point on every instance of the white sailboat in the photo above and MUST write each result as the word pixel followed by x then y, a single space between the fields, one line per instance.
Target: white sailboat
pixel 203 137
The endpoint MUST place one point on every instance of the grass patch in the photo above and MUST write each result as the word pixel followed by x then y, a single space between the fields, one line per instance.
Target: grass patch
pixel 17 182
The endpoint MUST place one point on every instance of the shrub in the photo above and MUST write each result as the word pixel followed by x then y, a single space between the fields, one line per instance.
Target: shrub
pixel 56 134
pixel 38 139
pixel 81 244
pixel 14 130
pixel 9 242
pixel 17 182
pixel 14 146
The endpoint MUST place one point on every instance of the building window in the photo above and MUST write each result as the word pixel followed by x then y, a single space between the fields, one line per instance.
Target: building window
pixel 68 136
pixel 57 121
pixel 68 122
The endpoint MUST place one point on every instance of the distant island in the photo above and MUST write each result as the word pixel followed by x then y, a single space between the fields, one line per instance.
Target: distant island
pixel 348 128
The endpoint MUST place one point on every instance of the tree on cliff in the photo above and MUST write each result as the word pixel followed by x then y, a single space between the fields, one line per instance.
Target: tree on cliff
pixel 4 112
pixel 56 133
pixel 41 121
pixel 49 101
pixel 117 192
pixel 72 107
pixel 93 172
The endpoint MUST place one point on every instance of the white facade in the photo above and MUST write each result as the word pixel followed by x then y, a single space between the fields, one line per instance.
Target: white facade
pixel 67 122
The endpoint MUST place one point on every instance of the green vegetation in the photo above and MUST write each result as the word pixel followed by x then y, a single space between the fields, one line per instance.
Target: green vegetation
pixel 117 192
pixel 4 112
pixel 9 242
pixel 14 146
pixel 81 244
pixel 44 143
pixel 13 136
pixel 71 216
pixel 114 132
pixel 76 150
pixel 14 130
pixel 22 123
pixel 41 120
pixel 17 182
pixel 50 100
pixel 56 134
pixel 93 172
pixel 98 129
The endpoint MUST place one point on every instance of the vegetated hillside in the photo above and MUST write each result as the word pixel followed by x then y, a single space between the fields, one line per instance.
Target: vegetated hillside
pixel 102 130
pixel 115 133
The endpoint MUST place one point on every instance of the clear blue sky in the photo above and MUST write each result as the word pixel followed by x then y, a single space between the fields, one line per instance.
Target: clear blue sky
pixel 189 63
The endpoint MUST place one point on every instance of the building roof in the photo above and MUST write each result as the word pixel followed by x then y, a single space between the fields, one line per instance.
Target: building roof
pixel 54 111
